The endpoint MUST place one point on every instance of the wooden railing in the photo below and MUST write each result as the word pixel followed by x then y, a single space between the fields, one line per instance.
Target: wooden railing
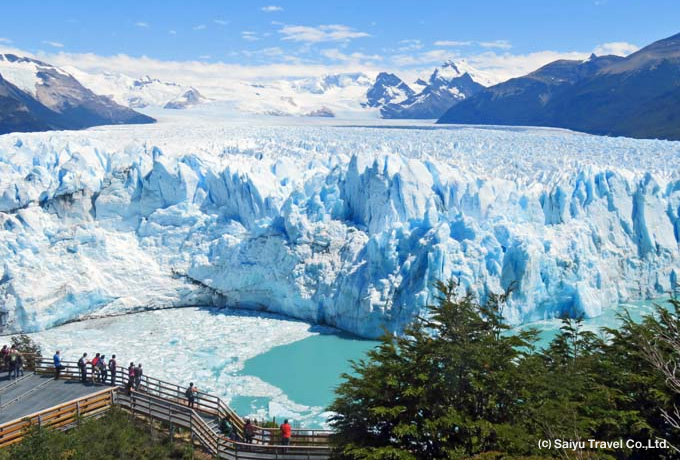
pixel 160 400
pixel 61 416
pixel 179 415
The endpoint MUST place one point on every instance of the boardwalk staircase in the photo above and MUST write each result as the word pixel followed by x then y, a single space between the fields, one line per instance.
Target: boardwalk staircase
pixel 153 400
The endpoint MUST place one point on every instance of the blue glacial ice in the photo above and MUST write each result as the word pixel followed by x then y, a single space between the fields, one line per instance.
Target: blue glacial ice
pixel 344 226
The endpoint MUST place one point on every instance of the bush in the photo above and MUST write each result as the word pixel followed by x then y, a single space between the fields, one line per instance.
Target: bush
pixel 113 436
pixel 28 348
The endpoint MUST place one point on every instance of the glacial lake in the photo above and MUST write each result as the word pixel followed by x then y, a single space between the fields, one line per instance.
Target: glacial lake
pixel 263 365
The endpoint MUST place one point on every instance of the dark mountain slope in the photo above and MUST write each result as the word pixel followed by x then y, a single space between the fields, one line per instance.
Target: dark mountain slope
pixel 634 96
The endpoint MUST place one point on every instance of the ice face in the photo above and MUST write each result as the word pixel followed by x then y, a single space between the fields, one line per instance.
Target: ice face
pixel 344 226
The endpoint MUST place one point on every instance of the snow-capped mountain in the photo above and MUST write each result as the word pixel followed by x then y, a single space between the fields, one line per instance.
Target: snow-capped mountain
pixel 332 82
pixel 446 86
pixel 341 94
pixel 387 89
pixel 37 96
pixel 636 96
pixel 342 226
pixel 132 92
pixel 189 98
pixel 321 112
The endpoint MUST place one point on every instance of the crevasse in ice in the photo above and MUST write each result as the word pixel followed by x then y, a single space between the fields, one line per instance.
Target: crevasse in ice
pixel 344 226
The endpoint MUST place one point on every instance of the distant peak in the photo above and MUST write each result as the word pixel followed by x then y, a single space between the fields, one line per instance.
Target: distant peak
pixel 590 58
pixel 452 65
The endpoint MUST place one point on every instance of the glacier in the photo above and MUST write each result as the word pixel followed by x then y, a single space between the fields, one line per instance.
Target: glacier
pixel 346 226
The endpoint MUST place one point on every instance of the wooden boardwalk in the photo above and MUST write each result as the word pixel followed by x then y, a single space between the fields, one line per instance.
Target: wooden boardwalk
pixel 38 399
pixel 34 393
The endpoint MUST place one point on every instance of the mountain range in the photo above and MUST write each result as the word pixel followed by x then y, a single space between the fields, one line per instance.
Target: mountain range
pixel 636 96
pixel 36 96
pixel 447 85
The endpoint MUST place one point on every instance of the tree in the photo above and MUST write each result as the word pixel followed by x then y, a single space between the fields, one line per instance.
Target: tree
pixel 457 384
pixel 659 341
pixel 446 388
pixel 28 348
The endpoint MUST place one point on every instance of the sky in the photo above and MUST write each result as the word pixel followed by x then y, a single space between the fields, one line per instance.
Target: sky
pixel 292 38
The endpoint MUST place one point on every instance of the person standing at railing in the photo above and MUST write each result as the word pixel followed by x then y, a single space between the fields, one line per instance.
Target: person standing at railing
pixel 13 358
pixel 138 376
pixel 57 365
pixel 96 376
pixel 4 357
pixel 101 365
pixel 82 365
pixel 131 378
pixel 190 393
pixel 286 432
pixel 20 365
pixel 249 431
pixel 112 370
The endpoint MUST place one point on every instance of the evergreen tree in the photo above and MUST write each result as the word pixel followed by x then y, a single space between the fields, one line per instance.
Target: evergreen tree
pixel 457 384
pixel 446 388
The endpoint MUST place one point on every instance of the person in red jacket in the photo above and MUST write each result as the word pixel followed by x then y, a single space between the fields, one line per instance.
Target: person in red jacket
pixel 286 432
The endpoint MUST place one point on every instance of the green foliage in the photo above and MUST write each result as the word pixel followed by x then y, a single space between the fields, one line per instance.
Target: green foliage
pixel 28 348
pixel 113 436
pixel 455 384
pixel 25 344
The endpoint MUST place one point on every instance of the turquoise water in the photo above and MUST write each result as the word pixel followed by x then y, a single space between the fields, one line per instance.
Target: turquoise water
pixel 307 371
pixel 548 329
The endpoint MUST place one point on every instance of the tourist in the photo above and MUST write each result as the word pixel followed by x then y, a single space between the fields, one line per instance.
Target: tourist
pixel 226 428
pixel 249 431
pixel 234 433
pixel 138 376
pixel 12 363
pixel 82 366
pixel 101 366
pixel 112 370
pixel 131 378
pixel 57 365
pixel 20 365
pixel 4 357
pixel 286 432
pixel 95 368
pixel 190 393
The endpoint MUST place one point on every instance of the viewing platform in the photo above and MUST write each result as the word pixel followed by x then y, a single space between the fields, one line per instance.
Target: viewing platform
pixel 36 399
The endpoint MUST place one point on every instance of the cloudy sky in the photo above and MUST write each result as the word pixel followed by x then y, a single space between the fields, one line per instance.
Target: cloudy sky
pixel 293 38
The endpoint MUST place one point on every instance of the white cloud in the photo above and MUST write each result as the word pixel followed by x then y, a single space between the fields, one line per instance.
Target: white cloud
pixel 200 27
pixel 204 56
pixel 337 55
pixel 249 36
pixel 142 24
pixel 500 44
pixel 452 43
pixel 505 66
pixel 616 48
pixel 214 79
pixel 273 51
pixel 410 45
pixel 5 40
pixel 53 44
pixel 221 22
pixel 496 66
pixel 424 58
pixel 322 33
pixel 172 32
pixel 271 8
